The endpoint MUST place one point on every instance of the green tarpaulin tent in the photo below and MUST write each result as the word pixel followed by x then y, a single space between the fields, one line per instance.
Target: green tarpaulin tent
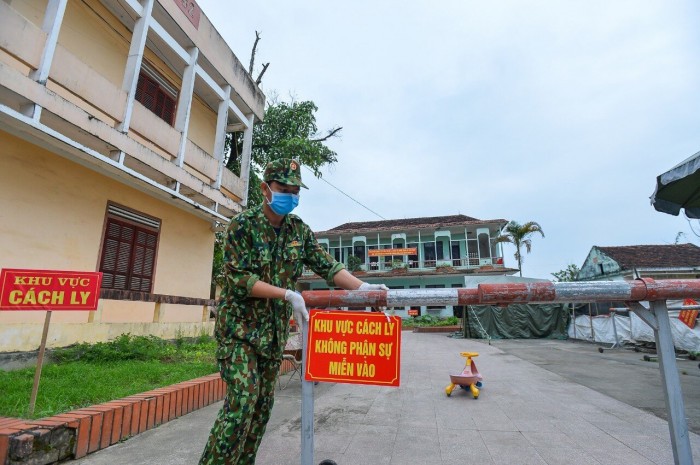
pixel 516 321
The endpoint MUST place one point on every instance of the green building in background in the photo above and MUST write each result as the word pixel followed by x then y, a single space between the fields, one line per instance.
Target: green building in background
pixel 416 253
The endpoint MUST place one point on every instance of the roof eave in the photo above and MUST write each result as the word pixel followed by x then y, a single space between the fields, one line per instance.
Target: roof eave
pixel 331 232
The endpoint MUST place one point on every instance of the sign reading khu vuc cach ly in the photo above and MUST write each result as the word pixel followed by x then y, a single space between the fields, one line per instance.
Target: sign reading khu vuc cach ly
pixel 353 347
pixel 49 290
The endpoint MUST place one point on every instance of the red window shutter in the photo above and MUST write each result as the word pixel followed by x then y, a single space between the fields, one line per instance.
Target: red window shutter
pixel 146 92
pixel 116 254
pixel 140 88
pixel 160 99
pixel 142 264
pixel 152 96
pixel 128 257
pixel 169 110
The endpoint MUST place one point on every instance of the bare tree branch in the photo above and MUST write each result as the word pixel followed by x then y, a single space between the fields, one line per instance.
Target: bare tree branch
pixel 330 134
pixel 252 54
pixel 259 79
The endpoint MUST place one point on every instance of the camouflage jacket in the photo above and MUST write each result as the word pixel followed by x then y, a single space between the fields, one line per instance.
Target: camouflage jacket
pixel 253 251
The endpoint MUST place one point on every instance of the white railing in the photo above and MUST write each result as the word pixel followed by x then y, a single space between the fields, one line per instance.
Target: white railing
pixel 427 264
pixel 464 263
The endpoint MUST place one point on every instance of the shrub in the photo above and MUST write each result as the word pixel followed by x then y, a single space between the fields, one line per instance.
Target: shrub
pixel 430 320
pixel 354 263
pixel 128 347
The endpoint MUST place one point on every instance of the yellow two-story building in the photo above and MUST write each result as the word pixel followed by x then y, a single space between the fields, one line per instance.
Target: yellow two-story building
pixel 113 120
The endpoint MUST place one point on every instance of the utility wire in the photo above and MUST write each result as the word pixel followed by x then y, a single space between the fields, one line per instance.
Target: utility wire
pixel 346 195
pixel 690 224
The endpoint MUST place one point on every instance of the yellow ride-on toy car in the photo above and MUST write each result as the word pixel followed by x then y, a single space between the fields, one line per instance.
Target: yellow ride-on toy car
pixel 469 378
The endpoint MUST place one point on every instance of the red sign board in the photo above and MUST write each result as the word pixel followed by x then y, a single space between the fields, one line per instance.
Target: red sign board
pixel 49 290
pixel 413 312
pixel 688 316
pixel 353 347
pixel 387 252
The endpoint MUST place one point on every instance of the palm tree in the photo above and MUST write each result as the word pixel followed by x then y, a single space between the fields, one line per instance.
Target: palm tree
pixel 519 235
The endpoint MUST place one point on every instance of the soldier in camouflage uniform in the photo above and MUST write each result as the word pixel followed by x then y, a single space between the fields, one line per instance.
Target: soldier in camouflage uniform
pixel 266 250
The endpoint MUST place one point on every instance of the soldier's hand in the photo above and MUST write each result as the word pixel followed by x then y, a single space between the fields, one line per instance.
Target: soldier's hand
pixel 301 315
pixel 372 287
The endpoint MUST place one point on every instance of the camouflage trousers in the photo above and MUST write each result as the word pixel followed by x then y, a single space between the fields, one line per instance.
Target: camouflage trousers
pixel 241 423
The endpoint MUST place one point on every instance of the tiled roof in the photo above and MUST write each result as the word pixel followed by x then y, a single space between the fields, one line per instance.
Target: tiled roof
pixel 654 256
pixel 428 222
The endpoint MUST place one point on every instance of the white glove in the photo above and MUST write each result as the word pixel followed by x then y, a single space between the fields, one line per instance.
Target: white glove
pixel 372 287
pixel 301 315
pixel 375 287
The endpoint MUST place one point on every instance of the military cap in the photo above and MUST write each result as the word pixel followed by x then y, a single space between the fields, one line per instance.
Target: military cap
pixel 284 170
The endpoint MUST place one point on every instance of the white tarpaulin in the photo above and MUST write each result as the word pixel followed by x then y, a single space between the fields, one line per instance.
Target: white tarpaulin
pixel 632 329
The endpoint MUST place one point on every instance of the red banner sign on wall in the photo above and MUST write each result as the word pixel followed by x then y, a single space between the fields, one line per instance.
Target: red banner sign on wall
pixel 689 317
pixel 388 252
pixel 49 290
pixel 353 347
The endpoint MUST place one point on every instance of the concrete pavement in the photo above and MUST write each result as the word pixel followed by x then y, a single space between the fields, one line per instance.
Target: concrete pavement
pixel 620 373
pixel 526 414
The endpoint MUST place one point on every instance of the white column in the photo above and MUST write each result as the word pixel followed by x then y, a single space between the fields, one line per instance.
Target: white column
pixel 184 104
pixel 53 18
pixel 219 141
pixel 246 157
pixel 133 62
pixel 51 26
pixel 466 248
pixel 420 252
pixel 340 247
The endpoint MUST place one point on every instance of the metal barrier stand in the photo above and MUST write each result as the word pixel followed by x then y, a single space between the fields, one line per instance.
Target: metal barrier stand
pixel 631 292
pixel 670 380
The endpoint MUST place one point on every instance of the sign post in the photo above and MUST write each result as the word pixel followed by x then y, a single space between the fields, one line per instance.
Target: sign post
pixel 47 290
pixel 39 363
pixel 307 403
pixel 345 347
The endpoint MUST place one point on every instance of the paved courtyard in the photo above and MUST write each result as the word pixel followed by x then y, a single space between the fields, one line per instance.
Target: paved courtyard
pixel 621 373
pixel 527 413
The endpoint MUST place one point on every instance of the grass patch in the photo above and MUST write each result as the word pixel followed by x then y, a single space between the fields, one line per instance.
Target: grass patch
pixel 88 374
pixel 429 320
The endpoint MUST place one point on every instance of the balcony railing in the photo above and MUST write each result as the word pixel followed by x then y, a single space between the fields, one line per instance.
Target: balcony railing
pixel 422 265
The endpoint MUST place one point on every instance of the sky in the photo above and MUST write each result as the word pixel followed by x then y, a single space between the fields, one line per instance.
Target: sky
pixel 559 112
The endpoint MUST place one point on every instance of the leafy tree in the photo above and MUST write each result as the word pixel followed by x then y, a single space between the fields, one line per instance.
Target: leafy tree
pixel 519 235
pixel 217 266
pixel 288 131
pixel 567 274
